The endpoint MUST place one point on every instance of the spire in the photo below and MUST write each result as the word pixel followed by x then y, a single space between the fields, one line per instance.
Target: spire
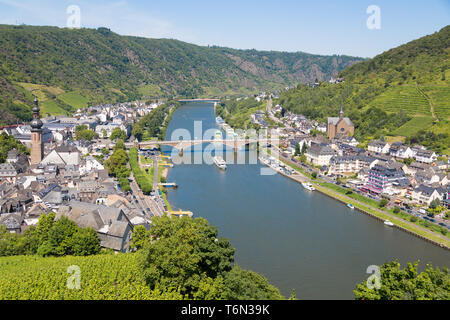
pixel 36 123
pixel 341 114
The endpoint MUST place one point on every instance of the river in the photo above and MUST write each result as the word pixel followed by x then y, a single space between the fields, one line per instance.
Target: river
pixel 297 239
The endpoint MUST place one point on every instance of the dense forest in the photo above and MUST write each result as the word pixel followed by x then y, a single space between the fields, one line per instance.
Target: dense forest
pixel 403 94
pixel 68 69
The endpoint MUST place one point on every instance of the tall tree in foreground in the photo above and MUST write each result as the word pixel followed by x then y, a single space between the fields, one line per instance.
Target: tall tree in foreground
pixel 186 254
pixel 407 284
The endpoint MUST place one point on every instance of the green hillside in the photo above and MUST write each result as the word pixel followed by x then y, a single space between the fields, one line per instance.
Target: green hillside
pixel 68 69
pixel 37 278
pixel 403 93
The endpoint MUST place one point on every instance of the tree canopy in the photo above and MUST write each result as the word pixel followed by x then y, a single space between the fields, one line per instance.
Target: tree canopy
pixel 186 254
pixel 407 284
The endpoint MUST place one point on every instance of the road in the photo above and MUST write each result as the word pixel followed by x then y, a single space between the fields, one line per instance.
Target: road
pixel 145 202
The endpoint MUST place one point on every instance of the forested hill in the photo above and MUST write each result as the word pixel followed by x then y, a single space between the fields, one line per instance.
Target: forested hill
pixel 403 94
pixel 67 69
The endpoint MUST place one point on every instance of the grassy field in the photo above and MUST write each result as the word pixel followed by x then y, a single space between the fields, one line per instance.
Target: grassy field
pixel 406 98
pixel 440 97
pixel 150 90
pixel 51 107
pixel 103 277
pixel 74 99
pixel 414 125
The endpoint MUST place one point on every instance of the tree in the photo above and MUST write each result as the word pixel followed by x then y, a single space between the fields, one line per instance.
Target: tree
pixel 59 238
pixel 297 149
pixel 383 203
pixel 120 145
pixel 407 284
pixel 186 252
pixel 45 223
pixel 83 133
pixel 304 148
pixel 248 285
pixel 7 143
pixel 84 242
pixel 435 203
pixel 140 237
pixel 117 133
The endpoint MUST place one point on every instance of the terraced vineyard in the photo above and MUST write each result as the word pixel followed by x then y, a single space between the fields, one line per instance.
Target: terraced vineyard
pixel 406 98
pixel 414 125
pixel 74 99
pixel 54 100
pixel 440 96
pixel 104 277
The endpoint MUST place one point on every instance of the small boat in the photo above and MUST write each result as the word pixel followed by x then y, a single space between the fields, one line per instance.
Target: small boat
pixel 220 163
pixel 220 121
pixel 308 186
pixel 350 206
pixel 388 223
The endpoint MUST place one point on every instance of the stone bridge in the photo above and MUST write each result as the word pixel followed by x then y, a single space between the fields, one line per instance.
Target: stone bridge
pixel 181 145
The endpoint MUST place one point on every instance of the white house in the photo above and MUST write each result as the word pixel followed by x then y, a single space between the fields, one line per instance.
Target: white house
pixel 63 155
pixel 90 163
pixel 378 146
pixel 425 156
pixel 319 154
pixel 402 151
pixel 425 195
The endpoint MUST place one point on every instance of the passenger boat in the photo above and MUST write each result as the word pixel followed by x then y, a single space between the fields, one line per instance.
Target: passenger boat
pixel 388 223
pixel 350 206
pixel 220 163
pixel 308 186
pixel 219 121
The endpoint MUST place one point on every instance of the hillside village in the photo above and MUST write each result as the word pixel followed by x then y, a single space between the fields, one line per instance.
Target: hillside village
pixel 410 177
pixel 71 179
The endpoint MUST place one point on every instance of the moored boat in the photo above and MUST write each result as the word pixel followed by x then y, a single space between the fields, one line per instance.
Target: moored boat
pixel 308 186
pixel 220 163
pixel 389 223
pixel 350 206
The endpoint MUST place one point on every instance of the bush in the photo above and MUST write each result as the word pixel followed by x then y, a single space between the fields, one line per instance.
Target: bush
pixel 383 203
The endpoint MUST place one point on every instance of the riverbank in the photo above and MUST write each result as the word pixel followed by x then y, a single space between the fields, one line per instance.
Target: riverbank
pixel 373 212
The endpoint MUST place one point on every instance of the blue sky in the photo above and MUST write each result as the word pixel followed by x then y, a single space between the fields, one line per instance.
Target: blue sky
pixel 320 27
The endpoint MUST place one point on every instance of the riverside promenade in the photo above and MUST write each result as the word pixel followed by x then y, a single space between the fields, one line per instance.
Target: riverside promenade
pixel 371 211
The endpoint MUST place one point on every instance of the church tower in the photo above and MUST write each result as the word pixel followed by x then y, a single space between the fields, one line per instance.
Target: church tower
pixel 37 147
pixel 341 114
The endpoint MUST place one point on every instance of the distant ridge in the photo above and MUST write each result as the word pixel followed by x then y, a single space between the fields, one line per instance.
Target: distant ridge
pixel 68 69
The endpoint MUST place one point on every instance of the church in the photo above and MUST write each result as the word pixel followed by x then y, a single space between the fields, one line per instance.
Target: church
pixel 339 127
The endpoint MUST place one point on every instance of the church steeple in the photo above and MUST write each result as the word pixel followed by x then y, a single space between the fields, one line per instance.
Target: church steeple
pixel 341 114
pixel 37 146
pixel 36 124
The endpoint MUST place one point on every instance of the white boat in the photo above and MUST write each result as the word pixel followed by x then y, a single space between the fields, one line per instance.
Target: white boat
pixel 388 223
pixel 350 206
pixel 308 186
pixel 220 121
pixel 220 163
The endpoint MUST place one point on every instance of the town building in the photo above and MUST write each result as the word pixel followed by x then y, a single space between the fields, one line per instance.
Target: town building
pixel 424 194
pixel 340 126
pixel 379 146
pixel 319 154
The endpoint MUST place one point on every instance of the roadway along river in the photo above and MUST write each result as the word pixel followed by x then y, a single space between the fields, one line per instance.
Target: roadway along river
pixel 297 239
